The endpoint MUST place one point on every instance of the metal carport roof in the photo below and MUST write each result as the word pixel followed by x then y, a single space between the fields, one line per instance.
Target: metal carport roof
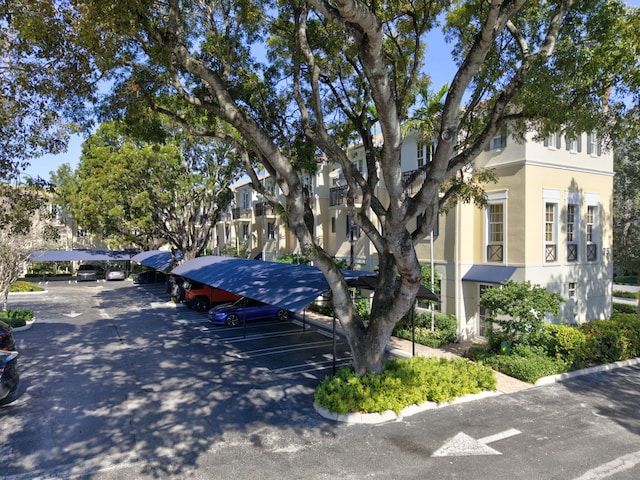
pixel 292 287
pixel 78 255
pixel 157 259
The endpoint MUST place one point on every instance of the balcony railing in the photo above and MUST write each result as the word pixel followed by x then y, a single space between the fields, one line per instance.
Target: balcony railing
pixel 416 184
pixel 338 196
pixel 264 208
pixel 241 213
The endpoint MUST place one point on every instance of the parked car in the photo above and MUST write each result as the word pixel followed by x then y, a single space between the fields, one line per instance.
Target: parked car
pixel 202 297
pixel 245 309
pixel 7 341
pixel 9 376
pixel 150 276
pixel 86 273
pixel 115 274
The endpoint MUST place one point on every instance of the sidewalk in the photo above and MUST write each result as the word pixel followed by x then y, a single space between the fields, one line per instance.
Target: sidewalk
pixel 404 348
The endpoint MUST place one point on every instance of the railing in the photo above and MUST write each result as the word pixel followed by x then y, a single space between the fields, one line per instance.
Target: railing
pixel 264 208
pixel 416 184
pixel 238 212
pixel 338 196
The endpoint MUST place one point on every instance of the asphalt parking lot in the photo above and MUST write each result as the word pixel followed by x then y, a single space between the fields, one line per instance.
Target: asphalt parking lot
pixel 116 383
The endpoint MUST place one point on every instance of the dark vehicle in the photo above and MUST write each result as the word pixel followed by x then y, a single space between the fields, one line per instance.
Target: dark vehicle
pixel 86 273
pixel 7 341
pixel 202 297
pixel 8 373
pixel 150 276
pixel 245 309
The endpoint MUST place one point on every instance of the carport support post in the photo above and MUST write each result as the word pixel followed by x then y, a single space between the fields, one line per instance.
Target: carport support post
pixel 244 317
pixel 334 346
pixel 413 329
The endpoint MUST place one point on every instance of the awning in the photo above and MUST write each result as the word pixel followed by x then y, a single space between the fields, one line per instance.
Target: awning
pixel 369 281
pixel 292 287
pixel 79 255
pixel 157 259
pixel 488 274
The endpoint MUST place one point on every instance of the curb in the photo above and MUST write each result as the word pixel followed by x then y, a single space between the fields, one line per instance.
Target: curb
pixel 390 416
pixel 586 371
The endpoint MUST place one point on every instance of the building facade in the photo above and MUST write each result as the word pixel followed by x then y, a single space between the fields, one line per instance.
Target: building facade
pixel 547 221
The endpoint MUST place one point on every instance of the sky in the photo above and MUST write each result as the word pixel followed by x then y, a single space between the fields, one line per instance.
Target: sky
pixel 440 67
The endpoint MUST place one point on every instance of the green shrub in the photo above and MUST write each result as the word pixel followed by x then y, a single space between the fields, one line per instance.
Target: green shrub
pixel 604 343
pixel 564 341
pixel 527 363
pixel 16 318
pixel 624 308
pixel 628 325
pixel 621 294
pixel 404 382
pixel 445 329
pixel 22 286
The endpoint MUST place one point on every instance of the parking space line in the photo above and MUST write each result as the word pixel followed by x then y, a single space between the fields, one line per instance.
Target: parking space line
pixel 311 366
pixel 277 350
pixel 257 336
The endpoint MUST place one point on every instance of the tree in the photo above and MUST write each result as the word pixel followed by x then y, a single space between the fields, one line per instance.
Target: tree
pixel 345 71
pixel 23 229
pixel 626 208
pixel 140 193
pixel 47 78
pixel 519 308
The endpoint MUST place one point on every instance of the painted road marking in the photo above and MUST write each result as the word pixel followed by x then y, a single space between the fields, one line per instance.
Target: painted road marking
pixel 464 445
pixel 620 464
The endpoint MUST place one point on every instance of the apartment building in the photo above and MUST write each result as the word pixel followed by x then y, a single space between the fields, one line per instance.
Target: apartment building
pixel 548 221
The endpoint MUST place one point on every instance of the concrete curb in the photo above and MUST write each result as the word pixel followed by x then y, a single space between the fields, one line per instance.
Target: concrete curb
pixel 390 416
pixel 586 371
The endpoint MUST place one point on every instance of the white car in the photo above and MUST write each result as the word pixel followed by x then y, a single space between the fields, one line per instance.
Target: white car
pixel 116 275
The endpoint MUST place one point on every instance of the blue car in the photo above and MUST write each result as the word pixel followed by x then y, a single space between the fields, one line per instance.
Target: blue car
pixel 245 309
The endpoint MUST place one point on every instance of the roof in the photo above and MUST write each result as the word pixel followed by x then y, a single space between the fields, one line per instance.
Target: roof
pixel 78 255
pixel 157 259
pixel 292 287
pixel 489 274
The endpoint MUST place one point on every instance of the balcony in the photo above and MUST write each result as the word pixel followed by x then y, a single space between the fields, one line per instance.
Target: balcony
pixel 263 209
pixel 241 213
pixel 416 184
pixel 338 196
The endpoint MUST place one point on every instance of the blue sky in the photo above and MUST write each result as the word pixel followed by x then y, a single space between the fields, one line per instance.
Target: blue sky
pixel 440 67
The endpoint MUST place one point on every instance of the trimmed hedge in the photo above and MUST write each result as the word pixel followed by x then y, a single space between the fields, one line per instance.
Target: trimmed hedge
pixel 16 318
pixel 22 286
pixel 403 382
pixel 445 331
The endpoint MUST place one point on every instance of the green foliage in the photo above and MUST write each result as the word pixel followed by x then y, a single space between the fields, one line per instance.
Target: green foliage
pixel 527 363
pixel 518 309
pixel 404 382
pixel 293 259
pixel 16 318
pixel 21 286
pixel 621 294
pixel 624 308
pixel 445 331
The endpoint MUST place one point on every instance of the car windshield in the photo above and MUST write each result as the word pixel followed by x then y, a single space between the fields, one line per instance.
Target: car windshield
pixel 86 267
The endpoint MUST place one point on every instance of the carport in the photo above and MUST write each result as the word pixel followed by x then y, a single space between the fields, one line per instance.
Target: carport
pixel 291 287
pixel 157 259
pixel 80 255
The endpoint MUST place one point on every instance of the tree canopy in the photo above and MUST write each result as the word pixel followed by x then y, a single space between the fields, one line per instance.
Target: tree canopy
pixel 346 71
pixel 139 193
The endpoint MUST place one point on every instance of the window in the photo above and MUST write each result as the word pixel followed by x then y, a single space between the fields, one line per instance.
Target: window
pixel 574 145
pixel 553 141
pixel 592 233
pixel 495 230
pixel 352 228
pixel 550 232
pixel 271 230
pixel 333 224
pixel 245 232
pixel 499 141
pixel 572 290
pixel 483 313
pixel 594 147
pixel 572 232
pixel 246 198
pixel 425 153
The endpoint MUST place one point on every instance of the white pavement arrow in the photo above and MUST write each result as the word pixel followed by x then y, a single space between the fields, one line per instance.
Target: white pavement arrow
pixel 73 314
pixel 463 445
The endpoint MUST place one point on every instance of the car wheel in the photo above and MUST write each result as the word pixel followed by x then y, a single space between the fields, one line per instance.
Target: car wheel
pixel 282 315
pixel 232 320
pixel 201 304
